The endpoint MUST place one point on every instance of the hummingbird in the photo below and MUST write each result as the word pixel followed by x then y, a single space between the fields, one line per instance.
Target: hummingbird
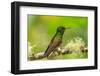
pixel 55 41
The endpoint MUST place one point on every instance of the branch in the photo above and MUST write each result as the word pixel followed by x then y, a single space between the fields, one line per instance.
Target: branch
pixel 56 52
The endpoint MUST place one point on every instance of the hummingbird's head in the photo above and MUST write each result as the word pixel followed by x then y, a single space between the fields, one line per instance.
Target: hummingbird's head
pixel 61 29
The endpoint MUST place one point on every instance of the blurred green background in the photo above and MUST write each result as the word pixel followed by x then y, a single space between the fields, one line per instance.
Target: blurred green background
pixel 42 28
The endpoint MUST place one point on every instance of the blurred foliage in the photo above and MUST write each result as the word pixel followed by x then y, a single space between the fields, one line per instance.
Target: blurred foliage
pixel 41 29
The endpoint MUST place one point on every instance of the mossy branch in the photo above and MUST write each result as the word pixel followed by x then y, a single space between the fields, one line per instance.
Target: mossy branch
pixel 56 52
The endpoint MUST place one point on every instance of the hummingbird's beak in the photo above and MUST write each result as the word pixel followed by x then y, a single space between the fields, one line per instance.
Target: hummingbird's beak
pixel 67 28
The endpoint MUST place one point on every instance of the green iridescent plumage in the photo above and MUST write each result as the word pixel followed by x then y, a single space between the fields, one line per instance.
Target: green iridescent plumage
pixel 56 41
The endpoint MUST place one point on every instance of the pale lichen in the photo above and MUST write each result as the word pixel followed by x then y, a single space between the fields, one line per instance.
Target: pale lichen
pixel 75 45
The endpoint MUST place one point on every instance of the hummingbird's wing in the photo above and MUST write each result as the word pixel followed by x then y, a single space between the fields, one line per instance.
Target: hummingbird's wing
pixel 53 45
